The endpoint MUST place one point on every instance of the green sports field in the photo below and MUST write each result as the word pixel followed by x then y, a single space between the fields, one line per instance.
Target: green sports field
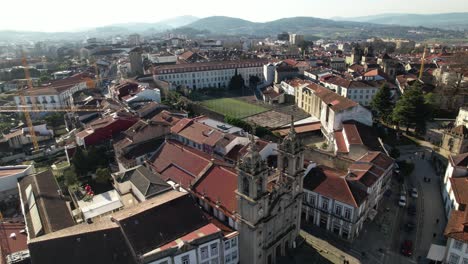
pixel 233 107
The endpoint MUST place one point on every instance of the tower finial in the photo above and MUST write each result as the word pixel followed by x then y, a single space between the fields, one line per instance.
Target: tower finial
pixel 252 139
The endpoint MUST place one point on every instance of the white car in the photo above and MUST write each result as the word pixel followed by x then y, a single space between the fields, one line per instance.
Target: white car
pixel 414 193
pixel 402 201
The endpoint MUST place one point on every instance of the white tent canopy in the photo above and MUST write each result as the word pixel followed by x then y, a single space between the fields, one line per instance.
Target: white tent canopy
pixel 436 252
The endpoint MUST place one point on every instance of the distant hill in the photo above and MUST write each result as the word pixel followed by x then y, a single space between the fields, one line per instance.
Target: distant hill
pixel 457 21
pixel 216 26
pixel 324 28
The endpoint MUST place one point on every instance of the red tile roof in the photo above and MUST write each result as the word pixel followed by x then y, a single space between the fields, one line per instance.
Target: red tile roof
pixel 197 132
pixel 457 226
pixel 206 230
pixel 332 183
pixel 352 134
pixel 459 160
pixel 9 244
pixel 174 154
pixel 340 142
pixel 334 100
pixel 460 189
pixel 300 129
pixel 218 186
pixel 369 168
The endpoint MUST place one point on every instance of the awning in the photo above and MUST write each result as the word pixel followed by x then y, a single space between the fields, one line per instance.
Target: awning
pixel 436 252
pixel 372 214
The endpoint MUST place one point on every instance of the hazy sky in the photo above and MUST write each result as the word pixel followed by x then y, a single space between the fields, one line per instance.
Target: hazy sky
pixel 63 15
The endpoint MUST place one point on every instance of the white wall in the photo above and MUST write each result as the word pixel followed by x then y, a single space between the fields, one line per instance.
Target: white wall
pixel 10 182
pixel 462 253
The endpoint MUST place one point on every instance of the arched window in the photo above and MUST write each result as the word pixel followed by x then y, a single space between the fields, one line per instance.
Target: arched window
pixel 285 163
pixel 298 163
pixel 260 186
pixel 245 186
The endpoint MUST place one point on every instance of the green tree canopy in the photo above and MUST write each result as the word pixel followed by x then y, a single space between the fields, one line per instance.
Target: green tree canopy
pixel 236 82
pixel 382 104
pixel 412 110
pixel 103 175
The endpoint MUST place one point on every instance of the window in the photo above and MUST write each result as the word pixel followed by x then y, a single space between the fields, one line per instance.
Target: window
pixel 465 261
pixel 325 204
pixel 227 259
pixel 458 245
pixel 214 249
pixel 227 245
pixel 185 259
pixel 347 213
pixel 214 261
pixel 453 259
pixel 234 255
pixel 338 210
pixel 204 252
pixel 234 242
pixel 312 199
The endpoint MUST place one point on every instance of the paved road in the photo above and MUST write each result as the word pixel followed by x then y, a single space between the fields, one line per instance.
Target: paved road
pixel 429 202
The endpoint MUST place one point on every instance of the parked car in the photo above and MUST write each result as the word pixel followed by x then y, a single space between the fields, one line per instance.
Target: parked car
pixel 402 201
pixel 407 248
pixel 414 193
pixel 412 210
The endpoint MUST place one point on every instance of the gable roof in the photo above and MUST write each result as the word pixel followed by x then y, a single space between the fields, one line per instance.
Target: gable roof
pixel 332 183
pixel 460 189
pixel 53 213
pixel 160 220
pixel 147 182
pixel 369 168
pixel 457 226
pixel 360 134
pixel 218 186
pixel 335 101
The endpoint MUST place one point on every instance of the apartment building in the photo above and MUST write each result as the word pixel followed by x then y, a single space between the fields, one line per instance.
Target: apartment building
pixel 216 74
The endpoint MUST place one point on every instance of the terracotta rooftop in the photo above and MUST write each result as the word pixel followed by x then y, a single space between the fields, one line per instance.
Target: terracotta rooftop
pixel 218 186
pixel 334 100
pixel 332 183
pixel 460 189
pixel 457 226
pixel 13 239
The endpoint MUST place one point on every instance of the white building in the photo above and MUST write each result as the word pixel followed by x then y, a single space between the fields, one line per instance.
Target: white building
pixel 454 183
pixel 358 91
pixel 340 201
pixel 9 176
pixel 296 39
pixel 56 94
pixel 209 74
pixel 21 137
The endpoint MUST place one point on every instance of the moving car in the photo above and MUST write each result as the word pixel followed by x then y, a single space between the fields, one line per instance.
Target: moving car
pixel 414 193
pixel 402 201
pixel 407 248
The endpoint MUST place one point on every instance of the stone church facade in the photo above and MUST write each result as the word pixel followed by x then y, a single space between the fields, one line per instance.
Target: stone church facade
pixel 269 206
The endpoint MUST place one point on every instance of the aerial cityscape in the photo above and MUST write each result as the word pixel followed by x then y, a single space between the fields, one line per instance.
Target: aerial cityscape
pixel 251 132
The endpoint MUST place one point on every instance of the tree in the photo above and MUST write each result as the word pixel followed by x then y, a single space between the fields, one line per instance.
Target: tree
pixel 54 119
pixel 254 80
pixel 382 104
pixel 79 161
pixel 412 110
pixel 103 175
pixel 69 176
pixel 236 82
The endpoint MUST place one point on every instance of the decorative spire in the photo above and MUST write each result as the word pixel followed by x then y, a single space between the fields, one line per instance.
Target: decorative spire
pixel 253 146
pixel 292 131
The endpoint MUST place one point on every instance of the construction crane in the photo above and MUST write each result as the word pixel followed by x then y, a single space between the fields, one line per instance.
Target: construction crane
pixel 27 109
pixel 423 60
pixel 27 115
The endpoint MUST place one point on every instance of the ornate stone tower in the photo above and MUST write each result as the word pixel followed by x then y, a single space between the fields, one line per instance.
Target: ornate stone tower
pixel 269 206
